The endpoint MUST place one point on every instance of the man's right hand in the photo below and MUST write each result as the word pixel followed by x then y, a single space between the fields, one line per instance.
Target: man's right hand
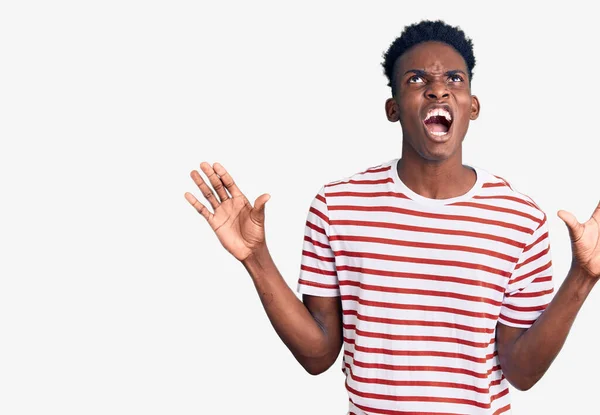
pixel 239 226
pixel 311 330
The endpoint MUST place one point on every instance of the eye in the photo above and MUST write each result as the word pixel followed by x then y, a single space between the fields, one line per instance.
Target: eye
pixel 456 78
pixel 415 79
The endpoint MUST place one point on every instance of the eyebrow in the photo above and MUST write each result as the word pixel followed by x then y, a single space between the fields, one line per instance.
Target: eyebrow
pixel 421 72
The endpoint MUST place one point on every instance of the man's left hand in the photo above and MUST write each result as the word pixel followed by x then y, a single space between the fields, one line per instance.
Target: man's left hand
pixel 585 241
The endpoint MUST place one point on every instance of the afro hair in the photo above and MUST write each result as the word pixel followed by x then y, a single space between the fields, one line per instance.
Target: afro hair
pixel 427 31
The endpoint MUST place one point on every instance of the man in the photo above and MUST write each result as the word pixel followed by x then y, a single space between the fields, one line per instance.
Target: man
pixel 433 275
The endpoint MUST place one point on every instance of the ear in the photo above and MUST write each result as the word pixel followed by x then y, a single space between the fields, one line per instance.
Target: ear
pixel 475 107
pixel 391 110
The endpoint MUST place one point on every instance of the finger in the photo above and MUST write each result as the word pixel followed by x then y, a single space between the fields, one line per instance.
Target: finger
pixel 197 205
pixel 596 214
pixel 575 228
pixel 215 181
pixel 227 180
pixel 258 213
pixel 259 203
pixel 206 191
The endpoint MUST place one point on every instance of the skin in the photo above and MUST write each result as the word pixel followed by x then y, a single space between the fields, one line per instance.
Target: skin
pixel 426 75
pixel 312 328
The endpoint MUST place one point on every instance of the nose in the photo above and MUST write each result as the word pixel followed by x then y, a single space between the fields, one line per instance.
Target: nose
pixel 437 91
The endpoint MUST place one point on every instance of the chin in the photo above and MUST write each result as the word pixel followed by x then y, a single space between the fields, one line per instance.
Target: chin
pixel 437 153
pixel 429 150
pixel 438 158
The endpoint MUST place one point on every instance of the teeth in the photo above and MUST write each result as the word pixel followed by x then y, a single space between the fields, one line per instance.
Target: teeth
pixel 438 133
pixel 439 112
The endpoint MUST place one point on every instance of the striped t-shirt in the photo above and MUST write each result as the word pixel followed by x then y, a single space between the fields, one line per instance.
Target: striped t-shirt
pixel 423 284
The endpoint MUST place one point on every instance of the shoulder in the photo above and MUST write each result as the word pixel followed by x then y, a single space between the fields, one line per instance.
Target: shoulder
pixel 497 191
pixel 370 179
pixel 372 175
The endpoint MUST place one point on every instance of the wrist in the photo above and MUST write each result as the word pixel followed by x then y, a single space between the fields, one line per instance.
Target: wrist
pixel 258 259
pixel 582 279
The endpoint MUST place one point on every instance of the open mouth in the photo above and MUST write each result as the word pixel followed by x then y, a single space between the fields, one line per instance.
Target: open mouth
pixel 438 121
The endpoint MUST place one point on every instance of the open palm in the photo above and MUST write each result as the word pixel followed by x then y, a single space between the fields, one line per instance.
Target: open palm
pixel 585 240
pixel 238 225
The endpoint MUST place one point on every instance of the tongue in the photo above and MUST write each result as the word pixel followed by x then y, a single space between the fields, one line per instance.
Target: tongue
pixel 437 128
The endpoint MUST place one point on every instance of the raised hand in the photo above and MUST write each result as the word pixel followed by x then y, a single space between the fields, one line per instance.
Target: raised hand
pixel 585 240
pixel 238 225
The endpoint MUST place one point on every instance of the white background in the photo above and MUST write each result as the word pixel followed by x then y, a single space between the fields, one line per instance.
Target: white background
pixel 115 296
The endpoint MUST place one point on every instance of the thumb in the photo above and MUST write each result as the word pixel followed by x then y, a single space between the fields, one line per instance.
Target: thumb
pixel 259 203
pixel 259 206
pixel 575 228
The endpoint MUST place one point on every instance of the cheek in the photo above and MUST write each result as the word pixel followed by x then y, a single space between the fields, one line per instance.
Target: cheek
pixel 463 99
pixel 464 105
pixel 408 104
pixel 409 115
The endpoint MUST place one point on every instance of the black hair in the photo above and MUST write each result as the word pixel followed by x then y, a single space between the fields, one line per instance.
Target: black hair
pixel 427 31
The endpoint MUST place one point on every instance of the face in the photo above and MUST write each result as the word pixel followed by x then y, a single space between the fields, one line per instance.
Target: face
pixel 433 101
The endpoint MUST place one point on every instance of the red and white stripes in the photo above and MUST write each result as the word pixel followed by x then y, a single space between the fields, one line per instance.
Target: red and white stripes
pixel 423 284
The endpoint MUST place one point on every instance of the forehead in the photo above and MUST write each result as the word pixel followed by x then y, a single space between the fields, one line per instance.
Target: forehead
pixel 431 57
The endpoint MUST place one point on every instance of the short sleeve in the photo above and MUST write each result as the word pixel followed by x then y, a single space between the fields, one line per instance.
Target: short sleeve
pixel 530 287
pixel 318 275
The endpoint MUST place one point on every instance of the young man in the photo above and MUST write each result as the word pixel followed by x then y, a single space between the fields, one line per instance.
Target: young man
pixel 435 277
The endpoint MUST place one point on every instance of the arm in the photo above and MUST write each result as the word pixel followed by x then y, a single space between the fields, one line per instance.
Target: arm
pixel 311 330
pixel 526 354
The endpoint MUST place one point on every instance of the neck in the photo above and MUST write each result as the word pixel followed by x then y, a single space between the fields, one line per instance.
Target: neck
pixel 444 179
